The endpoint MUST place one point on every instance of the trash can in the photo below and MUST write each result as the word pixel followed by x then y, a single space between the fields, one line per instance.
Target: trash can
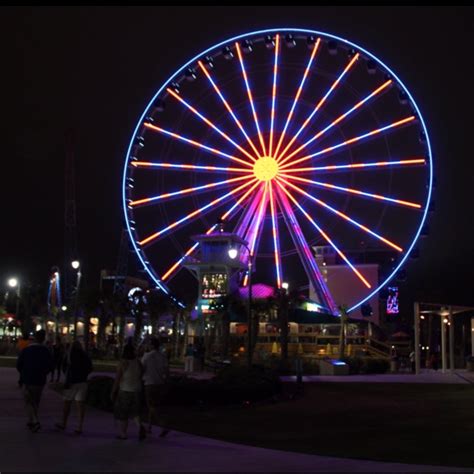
pixel 470 364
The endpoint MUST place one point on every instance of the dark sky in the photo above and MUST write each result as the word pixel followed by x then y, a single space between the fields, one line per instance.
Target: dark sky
pixel 95 69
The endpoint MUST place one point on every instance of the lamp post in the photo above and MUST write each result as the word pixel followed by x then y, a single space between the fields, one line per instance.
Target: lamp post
pixel 76 266
pixel 283 316
pixel 233 252
pixel 15 283
pixel 63 309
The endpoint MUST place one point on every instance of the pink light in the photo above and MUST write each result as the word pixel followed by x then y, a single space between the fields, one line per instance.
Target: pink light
pixel 229 109
pixel 256 229
pixel 209 231
pixel 193 142
pixel 353 191
pixel 193 214
pixel 148 164
pixel 320 104
pixel 416 161
pixel 275 74
pixel 326 237
pixel 187 191
pixel 210 124
pixel 249 93
pixel 338 120
pixel 350 141
pixel 298 93
pixel 341 214
pixel 276 239
pixel 249 214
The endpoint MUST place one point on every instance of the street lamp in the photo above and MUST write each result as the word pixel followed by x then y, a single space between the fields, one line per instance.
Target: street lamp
pixel 285 286
pixel 233 252
pixel 76 265
pixel 15 283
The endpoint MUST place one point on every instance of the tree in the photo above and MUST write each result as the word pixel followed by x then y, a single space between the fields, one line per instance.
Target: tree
pixel 223 306
pixel 186 318
pixel 138 305
pixel 158 304
pixel 261 308
pixel 90 301
pixel 285 303
pixel 342 332
pixel 104 319
pixel 120 308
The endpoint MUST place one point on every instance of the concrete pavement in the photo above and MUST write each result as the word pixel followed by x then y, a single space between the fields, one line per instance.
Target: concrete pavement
pixel 427 376
pixel 98 450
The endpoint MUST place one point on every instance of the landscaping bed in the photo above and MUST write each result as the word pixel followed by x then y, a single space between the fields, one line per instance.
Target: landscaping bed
pixel 232 385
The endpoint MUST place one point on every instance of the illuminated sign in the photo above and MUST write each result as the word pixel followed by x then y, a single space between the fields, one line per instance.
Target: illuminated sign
pixel 213 285
pixel 392 300
pixel 313 307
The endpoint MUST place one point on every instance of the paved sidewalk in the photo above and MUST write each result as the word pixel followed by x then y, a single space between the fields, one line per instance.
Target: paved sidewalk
pixel 98 450
pixel 458 377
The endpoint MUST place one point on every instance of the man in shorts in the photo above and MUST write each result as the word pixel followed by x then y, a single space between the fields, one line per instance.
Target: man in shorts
pixel 155 377
pixel 77 367
pixel 34 363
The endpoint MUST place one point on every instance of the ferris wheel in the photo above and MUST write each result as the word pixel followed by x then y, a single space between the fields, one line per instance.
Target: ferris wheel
pixel 292 137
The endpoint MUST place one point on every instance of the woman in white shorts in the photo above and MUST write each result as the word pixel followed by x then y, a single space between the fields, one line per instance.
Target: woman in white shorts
pixel 77 367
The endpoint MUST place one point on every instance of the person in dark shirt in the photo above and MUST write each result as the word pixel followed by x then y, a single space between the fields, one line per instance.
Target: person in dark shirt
pixel 77 367
pixel 34 363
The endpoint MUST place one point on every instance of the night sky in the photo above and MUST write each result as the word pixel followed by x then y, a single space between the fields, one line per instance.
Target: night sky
pixel 94 70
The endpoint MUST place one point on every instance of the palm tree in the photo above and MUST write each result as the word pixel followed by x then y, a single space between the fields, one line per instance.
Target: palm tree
pixel 285 303
pixel 89 300
pixel 220 329
pixel 342 332
pixel 261 308
pixel 104 318
pixel 120 308
pixel 158 304
pixel 138 306
pixel 186 318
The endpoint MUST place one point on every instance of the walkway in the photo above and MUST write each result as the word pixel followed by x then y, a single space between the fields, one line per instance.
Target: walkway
pixel 458 377
pixel 98 450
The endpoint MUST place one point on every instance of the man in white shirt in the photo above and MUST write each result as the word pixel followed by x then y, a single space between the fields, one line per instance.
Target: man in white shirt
pixel 155 377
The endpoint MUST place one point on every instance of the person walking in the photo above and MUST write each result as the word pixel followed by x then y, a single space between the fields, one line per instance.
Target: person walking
pixel 155 376
pixel 77 366
pixel 34 364
pixel 126 392
pixel 200 356
pixel 412 357
pixel 58 357
pixel 434 361
pixel 23 342
pixel 189 358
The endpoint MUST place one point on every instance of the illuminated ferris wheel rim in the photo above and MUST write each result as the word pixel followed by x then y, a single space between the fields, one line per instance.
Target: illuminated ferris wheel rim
pixel 263 168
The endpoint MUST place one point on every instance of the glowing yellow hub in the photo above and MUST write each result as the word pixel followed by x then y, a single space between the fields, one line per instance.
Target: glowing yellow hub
pixel 265 168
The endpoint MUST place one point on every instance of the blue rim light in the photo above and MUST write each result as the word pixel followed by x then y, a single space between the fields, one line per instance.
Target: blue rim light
pixel 180 71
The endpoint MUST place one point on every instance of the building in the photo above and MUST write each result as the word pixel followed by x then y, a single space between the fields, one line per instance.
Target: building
pixel 342 285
